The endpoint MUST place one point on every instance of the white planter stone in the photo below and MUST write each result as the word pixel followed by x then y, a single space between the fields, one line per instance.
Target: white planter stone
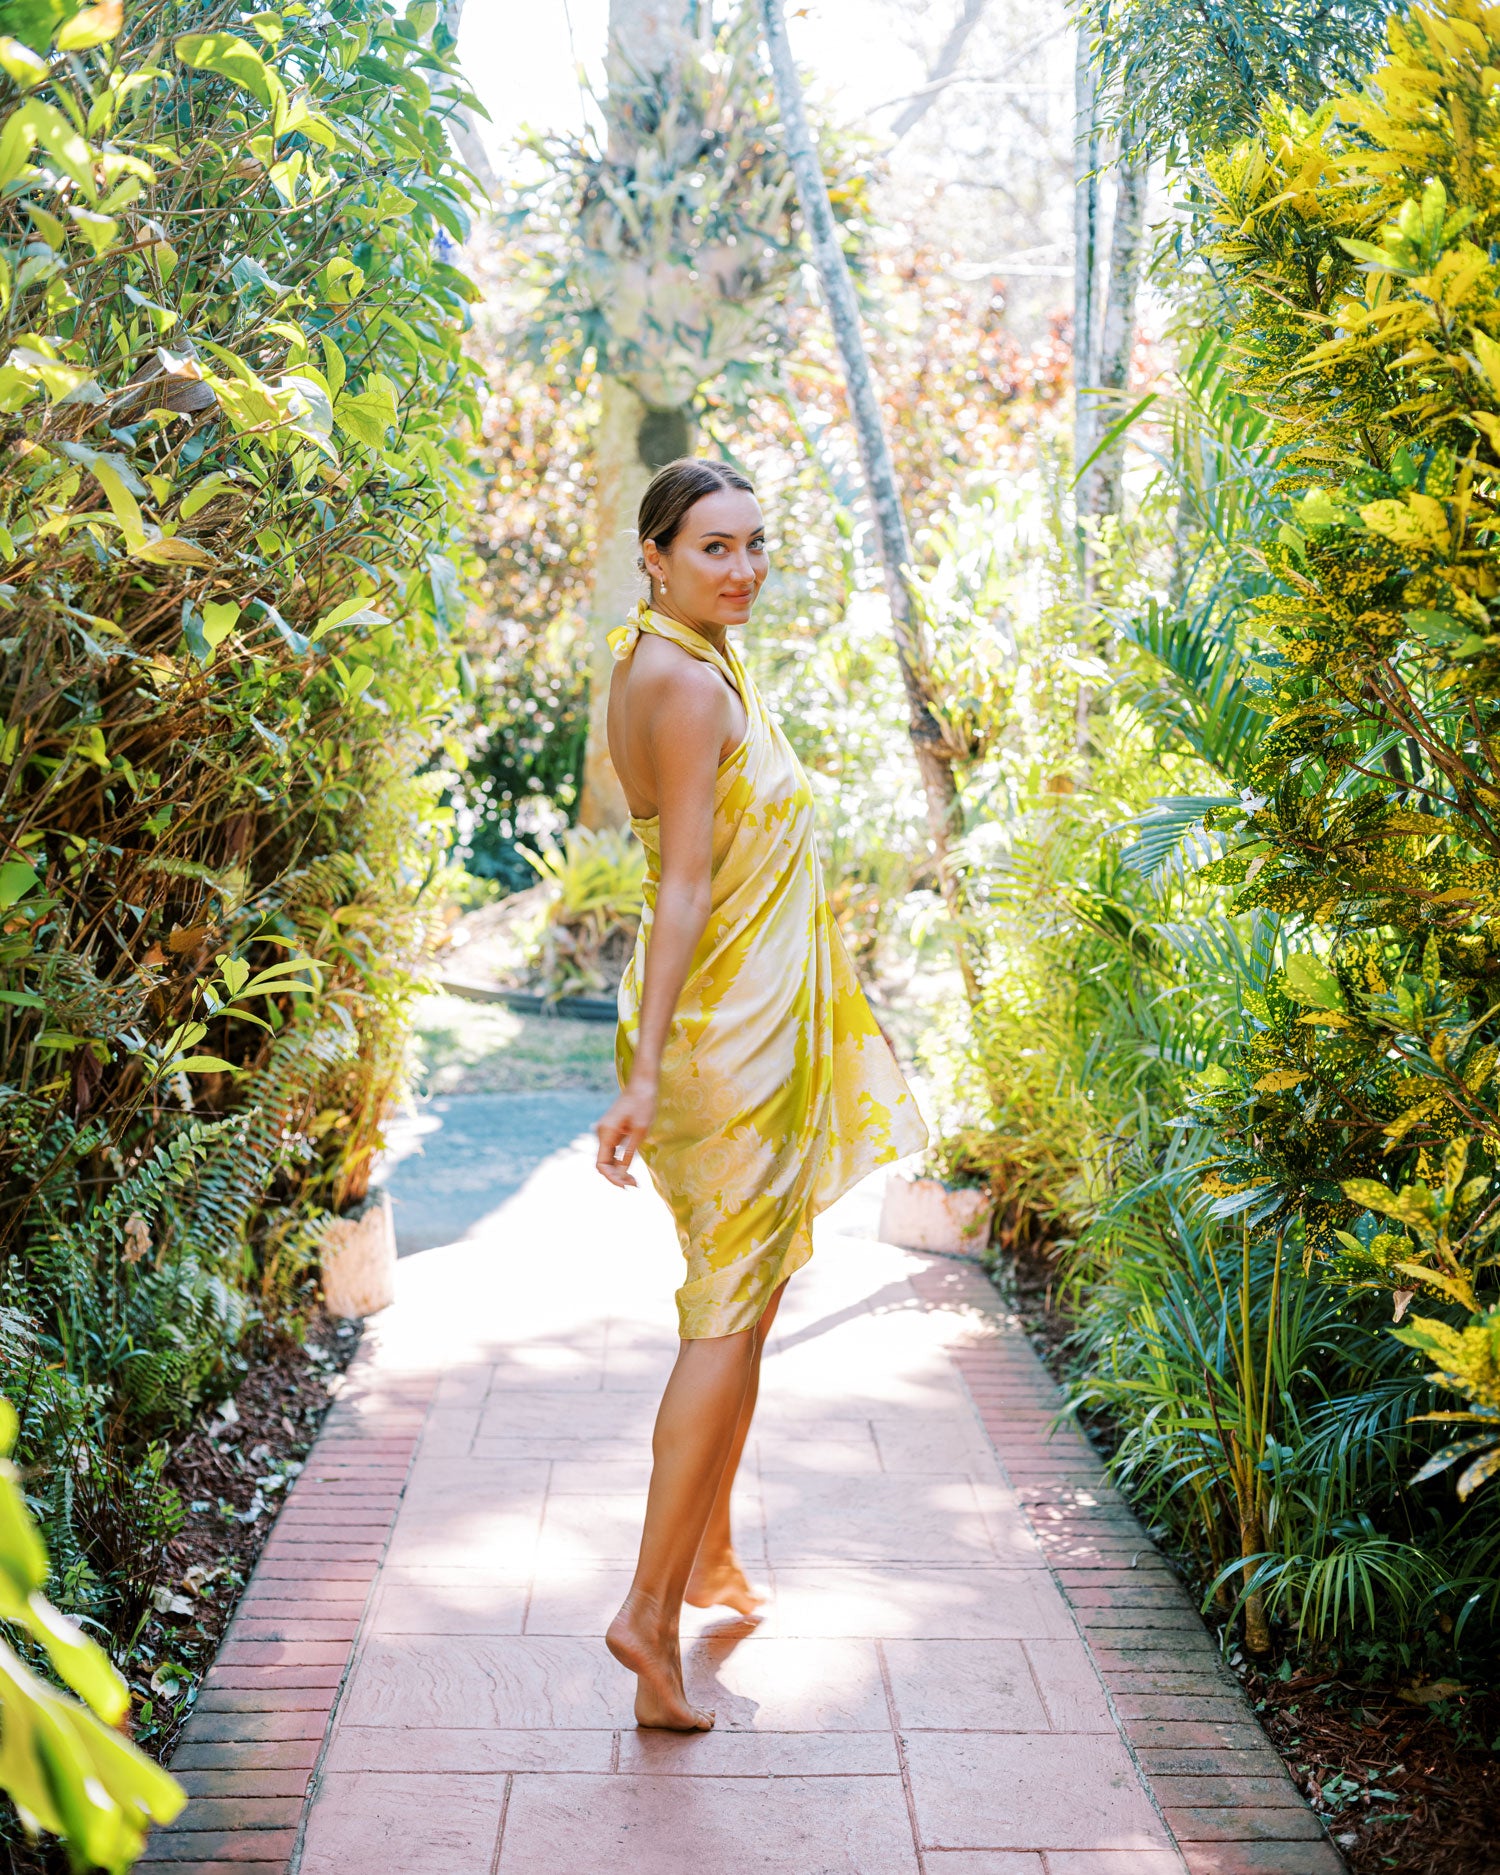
pixel 359 1259
pixel 924 1214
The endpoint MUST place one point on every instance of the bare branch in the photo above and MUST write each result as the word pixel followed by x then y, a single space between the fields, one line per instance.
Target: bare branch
pixel 943 68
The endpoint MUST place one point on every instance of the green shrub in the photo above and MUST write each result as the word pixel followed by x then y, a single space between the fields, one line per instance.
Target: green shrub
pixel 1364 1104
pixel 593 881
pixel 61 1762
pixel 230 431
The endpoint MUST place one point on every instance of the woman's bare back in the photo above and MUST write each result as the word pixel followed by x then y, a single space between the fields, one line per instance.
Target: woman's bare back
pixel 660 689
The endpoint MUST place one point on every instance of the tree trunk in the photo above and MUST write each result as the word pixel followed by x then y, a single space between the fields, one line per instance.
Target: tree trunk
pixel 1103 339
pixel 934 763
pixel 1117 342
pixel 631 444
pixel 461 126
pixel 1087 252
pixel 633 440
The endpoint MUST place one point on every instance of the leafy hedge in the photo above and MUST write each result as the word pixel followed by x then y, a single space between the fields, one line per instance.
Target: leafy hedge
pixel 231 409
pixel 1365 1105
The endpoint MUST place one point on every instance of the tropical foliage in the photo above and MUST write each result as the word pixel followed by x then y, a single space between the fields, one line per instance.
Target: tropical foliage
pixel 62 1764
pixel 1240 1034
pixel 1364 1106
pixel 230 421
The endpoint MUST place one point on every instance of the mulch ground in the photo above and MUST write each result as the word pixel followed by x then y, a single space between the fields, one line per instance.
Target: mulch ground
pixel 230 1470
pixel 1406 1777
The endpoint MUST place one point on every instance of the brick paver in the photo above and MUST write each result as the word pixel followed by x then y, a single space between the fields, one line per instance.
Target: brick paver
pixel 975 1663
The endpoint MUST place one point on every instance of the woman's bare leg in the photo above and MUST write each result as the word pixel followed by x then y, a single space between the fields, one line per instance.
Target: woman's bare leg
pixel 718 1579
pixel 696 1427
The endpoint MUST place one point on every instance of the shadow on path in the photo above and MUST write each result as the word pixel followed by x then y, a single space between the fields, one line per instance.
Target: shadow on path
pixel 455 1161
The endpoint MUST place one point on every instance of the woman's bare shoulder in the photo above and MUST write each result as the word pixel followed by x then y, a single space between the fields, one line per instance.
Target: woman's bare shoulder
pixel 660 668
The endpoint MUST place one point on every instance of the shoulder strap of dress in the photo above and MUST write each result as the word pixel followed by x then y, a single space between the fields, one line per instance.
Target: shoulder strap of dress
pixel 622 641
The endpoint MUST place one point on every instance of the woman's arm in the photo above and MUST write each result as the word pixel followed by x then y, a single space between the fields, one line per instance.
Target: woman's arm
pixel 686 717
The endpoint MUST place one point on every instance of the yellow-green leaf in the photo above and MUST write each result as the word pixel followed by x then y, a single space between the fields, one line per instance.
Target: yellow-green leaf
pixel 98 230
pixel 16 880
pixel 366 414
pixel 21 63
pixel 201 493
pixel 91 26
pixel 219 620
pixel 232 58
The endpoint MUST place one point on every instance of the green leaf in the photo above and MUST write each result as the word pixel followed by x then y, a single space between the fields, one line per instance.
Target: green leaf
pixel 19 62
pixel 91 26
pixel 310 404
pixel 248 274
pixel 200 1064
pixel 232 58
pixel 219 621
pixel 1113 434
pixel 1371 1194
pixel 447 593
pixel 350 612
pixel 39 122
pixel 365 415
pixel 334 369
pixel 98 230
pixel 202 493
pixel 341 281
pixel 1307 979
pixel 16 880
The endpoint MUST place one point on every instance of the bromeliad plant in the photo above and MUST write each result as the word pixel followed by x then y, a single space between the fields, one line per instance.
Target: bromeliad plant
pixel 1361 239
pixel 668 261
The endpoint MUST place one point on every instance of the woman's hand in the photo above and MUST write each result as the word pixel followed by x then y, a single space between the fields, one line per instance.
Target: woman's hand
pixel 623 1128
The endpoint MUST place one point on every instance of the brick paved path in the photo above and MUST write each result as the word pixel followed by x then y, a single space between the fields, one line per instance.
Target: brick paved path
pixel 975 1663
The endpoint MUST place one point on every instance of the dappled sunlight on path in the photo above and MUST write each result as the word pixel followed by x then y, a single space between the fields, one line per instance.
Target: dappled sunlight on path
pixel 920 1700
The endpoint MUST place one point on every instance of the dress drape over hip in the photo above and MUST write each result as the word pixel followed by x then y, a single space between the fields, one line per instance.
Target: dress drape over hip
pixel 777 1089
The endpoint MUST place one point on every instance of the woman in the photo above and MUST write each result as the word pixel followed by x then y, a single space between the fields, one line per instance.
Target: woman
pixel 755 1083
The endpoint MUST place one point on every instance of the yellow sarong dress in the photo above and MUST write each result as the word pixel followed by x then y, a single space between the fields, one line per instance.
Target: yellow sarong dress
pixel 777 1089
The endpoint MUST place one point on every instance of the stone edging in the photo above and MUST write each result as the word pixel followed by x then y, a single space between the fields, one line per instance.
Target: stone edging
pixel 248 1756
pixel 1219 1783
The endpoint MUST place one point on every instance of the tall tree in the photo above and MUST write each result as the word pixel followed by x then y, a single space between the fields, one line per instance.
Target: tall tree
pixel 457 103
pixel 1087 242
pixel 1102 367
pixel 665 246
pixel 934 755
pixel 1106 284
pixel 635 437
pixel 1187 79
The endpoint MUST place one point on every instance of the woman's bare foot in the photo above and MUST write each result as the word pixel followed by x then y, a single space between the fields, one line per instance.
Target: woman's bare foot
pixel 660 1698
pixel 724 1584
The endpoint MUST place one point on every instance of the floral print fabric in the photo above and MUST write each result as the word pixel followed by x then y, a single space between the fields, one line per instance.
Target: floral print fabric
pixel 777 1089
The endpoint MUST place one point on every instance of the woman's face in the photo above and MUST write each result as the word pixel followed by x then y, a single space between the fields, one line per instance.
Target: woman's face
pixel 714 567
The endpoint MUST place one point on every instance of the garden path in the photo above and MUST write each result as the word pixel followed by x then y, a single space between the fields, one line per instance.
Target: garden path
pixel 974 1664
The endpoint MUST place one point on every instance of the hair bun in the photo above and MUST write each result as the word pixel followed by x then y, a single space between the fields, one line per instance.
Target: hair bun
pixel 676 488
